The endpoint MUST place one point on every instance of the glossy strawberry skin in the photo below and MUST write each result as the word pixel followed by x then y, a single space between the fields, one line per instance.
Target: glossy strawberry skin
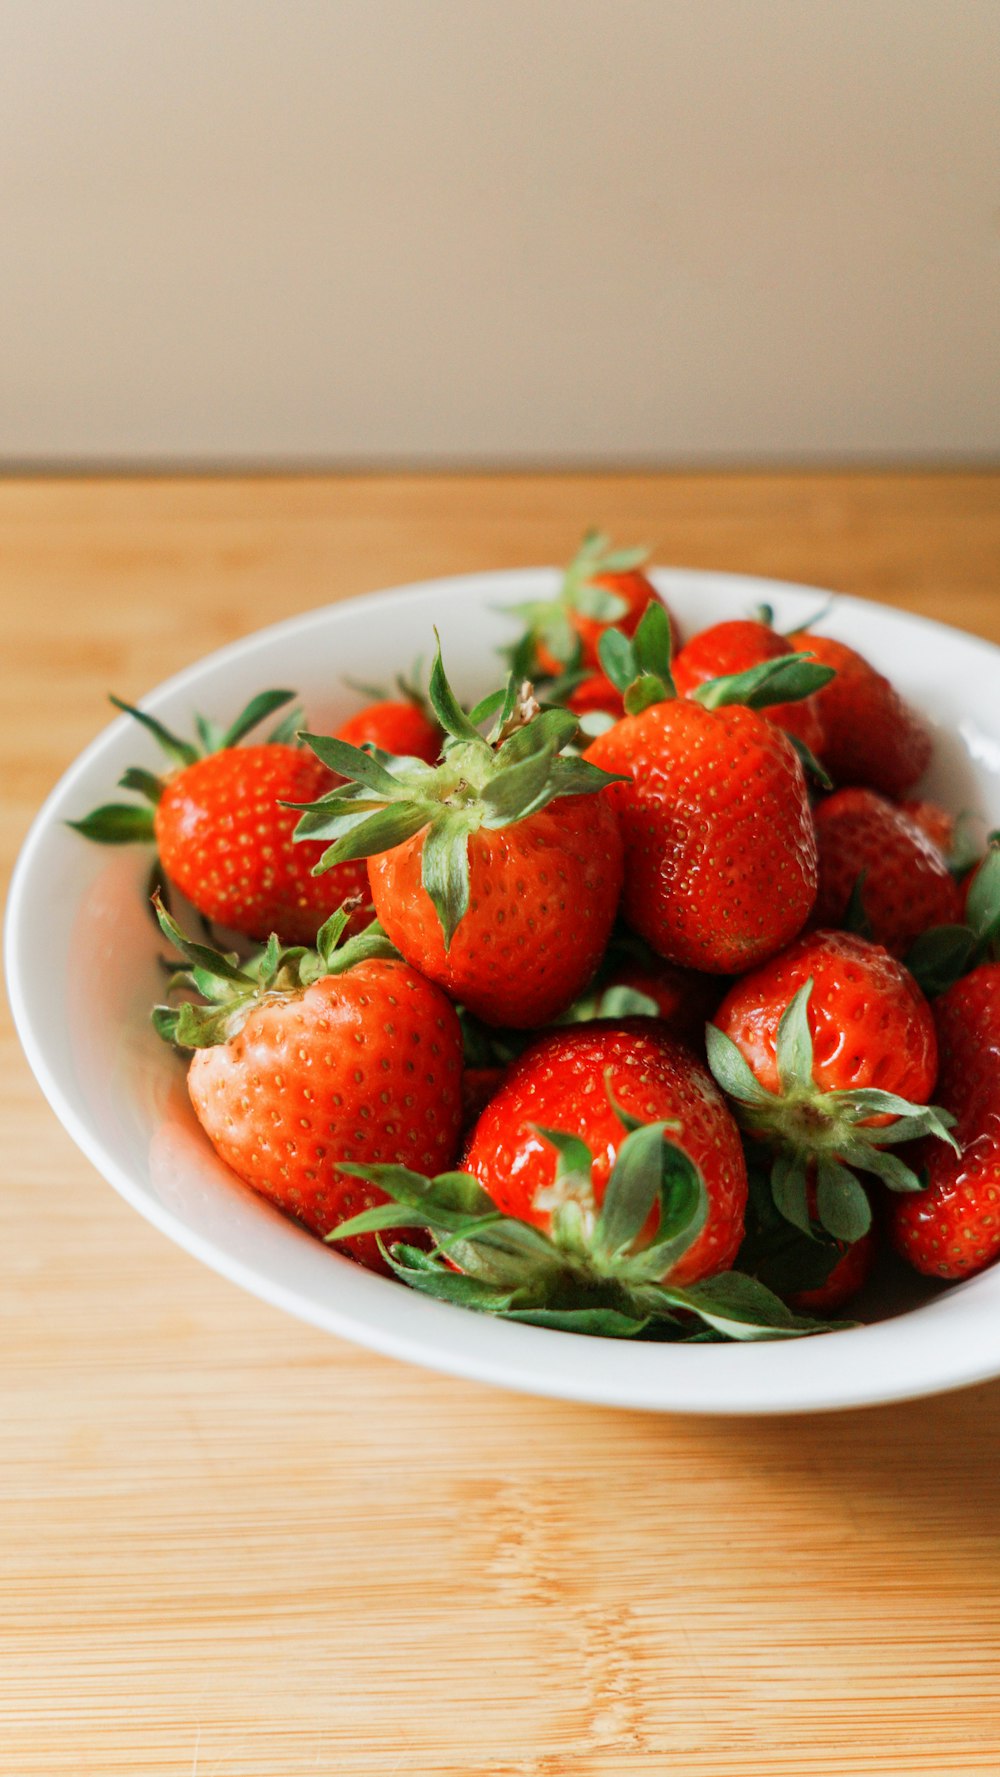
pixel 543 897
pixel 870 1024
pixel 365 1066
pixel 634 589
pixel 720 850
pixel 596 693
pixel 226 842
pixel 560 1083
pixel 907 885
pixel 937 823
pixel 873 737
pixel 952 1229
pixel 394 726
pixel 734 647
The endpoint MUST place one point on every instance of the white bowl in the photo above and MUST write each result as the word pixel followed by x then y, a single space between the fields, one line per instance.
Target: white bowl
pixel 84 1017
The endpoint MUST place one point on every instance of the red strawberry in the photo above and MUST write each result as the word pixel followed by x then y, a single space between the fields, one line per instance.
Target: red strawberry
pixel 953 1228
pixel 905 884
pixel 849 1275
pixel 304 1062
pixel 223 836
pixel 563 1083
pixel 601 588
pixel 226 841
pixel 633 982
pixel 497 873
pixel 830 1053
pixel 936 822
pixel 720 851
pixel 596 693
pixel 873 737
pixel 732 647
pixel 400 726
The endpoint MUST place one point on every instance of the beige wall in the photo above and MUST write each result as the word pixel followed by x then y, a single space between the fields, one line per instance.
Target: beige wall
pixel 554 229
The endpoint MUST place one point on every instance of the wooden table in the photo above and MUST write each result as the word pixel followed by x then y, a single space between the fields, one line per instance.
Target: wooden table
pixel 234 1547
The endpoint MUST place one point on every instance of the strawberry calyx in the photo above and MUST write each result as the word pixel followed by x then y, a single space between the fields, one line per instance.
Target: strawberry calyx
pixel 230 989
pixel 490 782
pixel 596 1271
pixel 943 954
pixel 639 666
pixel 825 1135
pixel 124 823
pixel 550 621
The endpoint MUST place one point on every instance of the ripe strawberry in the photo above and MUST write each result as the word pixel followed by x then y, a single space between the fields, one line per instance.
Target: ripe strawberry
pixel 304 1061
pixel 719 842
pixel 830 1053
pixel 634 982
pixel 873 737
pixel 850 1273
pixel 600 1225
pixel 728 648
pixel 498 872
pixel 601 587
pixel 563 1083
pixel 223 835
pixel 869 847
pixel 595 693
pixel 953 1228
pixel 937 823
pixel 394 725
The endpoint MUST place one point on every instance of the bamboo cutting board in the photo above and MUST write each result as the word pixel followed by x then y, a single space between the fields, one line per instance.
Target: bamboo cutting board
pixel 235 1547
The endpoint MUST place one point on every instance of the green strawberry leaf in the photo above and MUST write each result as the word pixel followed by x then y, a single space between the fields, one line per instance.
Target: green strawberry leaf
pixel 445 870
pixel 257 710
pixel 742 1307
pixel 731 1070
pixel 940 957
pixel 601 1323
pixel 180 751
pixel 787 679
pixel 842 1205
pixel 794 1047
pixel 116 823
pixel 355 763
pixel 790 1190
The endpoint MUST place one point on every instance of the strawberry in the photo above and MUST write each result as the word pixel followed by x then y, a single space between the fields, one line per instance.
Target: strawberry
pixel 937 823
pixel 595 693
pixel 634 982
pixel 608 1219
pixel 394 725
pixel 872 850
pixel 559 1083
pixel 733 647
pixel 719 841
pixel 224 839
pixel 498 872
pixel 873 737
pixel 601 587
pixel 304 1060
pixel 830 1054
pixel 952 1229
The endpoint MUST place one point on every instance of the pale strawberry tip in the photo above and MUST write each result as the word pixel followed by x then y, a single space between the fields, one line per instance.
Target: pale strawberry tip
pixel 822 1132
pixel 595 1271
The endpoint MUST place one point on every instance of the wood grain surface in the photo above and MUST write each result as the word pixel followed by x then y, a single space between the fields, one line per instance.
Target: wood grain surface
pixel 235 1547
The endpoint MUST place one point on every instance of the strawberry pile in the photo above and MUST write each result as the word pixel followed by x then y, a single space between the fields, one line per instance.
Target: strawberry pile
pixel 643 999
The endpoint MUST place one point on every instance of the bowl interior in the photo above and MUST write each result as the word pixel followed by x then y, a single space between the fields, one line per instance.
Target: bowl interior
pixel 82 972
